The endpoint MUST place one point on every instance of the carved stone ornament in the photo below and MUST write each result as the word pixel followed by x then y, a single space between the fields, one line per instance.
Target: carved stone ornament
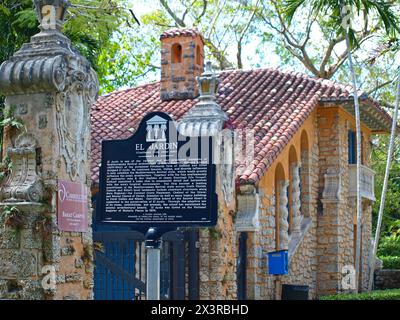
pixel 72 117
pixel 23 184
pixel 247 219
pixel 206 118
pixel 283 216
pixel 226 164
pixel 50 64
pixel 332 187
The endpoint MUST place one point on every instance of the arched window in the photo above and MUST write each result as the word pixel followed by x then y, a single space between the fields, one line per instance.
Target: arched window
pixel 198 55
pixel 176 53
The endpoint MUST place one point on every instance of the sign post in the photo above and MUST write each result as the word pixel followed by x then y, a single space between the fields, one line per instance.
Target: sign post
pixel 156 181
pixel 153 247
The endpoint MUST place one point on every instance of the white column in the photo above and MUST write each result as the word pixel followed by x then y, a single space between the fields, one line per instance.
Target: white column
pixel 296 201
pixel 283 216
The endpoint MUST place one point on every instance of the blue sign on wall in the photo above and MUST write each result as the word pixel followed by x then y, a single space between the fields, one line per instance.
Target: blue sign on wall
pixel 157 178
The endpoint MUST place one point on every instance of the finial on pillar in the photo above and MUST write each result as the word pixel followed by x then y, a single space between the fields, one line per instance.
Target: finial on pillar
pixel 206 118
pixel 208 83
pixel 51 13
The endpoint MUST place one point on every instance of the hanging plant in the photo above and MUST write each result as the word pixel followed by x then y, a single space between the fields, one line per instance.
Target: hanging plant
pixel 13 218
pixel 10 121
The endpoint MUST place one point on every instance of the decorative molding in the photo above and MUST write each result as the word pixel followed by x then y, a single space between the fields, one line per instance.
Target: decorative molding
pixel 24 183
pixel 332 187
pixel 247 218
pixel 33 74
pixel 73 116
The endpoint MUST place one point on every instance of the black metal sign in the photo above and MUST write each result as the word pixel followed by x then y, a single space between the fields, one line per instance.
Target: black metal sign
pixel 157 178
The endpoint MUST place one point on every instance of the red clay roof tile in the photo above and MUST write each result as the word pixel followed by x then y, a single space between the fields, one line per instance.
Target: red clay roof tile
pixel 271 102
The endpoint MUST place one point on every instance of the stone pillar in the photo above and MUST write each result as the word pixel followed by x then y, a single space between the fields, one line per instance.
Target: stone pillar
pixel 49 89
pixel 217 245
pixel 283 216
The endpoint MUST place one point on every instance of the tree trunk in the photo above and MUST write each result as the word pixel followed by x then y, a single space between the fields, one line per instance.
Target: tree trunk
pixel 358 138
pixel 384 188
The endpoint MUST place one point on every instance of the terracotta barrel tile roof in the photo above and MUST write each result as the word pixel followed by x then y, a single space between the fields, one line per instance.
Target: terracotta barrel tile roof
pixel 186 32
pixel 271 102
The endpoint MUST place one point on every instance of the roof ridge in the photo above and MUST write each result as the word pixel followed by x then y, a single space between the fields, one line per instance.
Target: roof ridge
pixel 129 89
pixel 324 82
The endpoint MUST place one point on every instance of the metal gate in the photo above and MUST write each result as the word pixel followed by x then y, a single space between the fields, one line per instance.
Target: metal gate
pixel 120 265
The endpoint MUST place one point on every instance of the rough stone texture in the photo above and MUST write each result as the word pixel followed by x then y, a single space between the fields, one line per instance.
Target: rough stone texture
pixel 387 279
pixel 337 221
pixel 218 256
pixel 177 79
pixel 51 88
pixel 327 244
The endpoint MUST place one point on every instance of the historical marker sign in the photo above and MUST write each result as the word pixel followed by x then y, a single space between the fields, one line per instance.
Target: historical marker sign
pixel 72 206
pixel 157 178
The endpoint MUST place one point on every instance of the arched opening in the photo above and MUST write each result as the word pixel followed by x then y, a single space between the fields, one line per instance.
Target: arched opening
pixel 176 53
pixel 281 212
pixel 198 55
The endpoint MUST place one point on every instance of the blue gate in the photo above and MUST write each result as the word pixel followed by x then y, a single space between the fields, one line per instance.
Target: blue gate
pixel 120 265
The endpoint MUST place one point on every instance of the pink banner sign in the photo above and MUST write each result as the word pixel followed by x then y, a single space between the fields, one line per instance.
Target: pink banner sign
pixel 72 206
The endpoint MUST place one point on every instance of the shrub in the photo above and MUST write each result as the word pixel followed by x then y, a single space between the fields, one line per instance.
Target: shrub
pixel 392 294
pixel 389 246
pixel 390 262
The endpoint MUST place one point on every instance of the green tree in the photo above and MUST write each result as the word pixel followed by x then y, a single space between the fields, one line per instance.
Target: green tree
pixel 94 27
pixel 335 9
pixel 392 203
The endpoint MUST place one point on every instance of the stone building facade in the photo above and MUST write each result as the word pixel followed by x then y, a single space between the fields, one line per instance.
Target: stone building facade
pixel 49 89
pixel 297 192
pixel 289 187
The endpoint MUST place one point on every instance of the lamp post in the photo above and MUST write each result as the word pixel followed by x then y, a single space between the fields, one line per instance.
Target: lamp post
pixel 51 13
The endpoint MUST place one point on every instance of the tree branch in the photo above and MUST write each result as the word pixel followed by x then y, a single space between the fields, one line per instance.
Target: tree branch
pixel 380 86
pixel 178 21
pixel 241 36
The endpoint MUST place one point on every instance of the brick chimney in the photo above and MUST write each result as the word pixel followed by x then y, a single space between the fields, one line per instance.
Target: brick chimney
pixel 182 60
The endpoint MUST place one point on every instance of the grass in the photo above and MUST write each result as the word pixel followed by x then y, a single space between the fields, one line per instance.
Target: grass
pixel 391 294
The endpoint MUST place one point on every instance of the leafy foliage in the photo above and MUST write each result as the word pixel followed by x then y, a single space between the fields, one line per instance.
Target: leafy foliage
pixel 389 246
pixel 91 25
pixel 392 294
pixel 9 120
pixel 334 10
pixel 390 262
pixel 392 203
